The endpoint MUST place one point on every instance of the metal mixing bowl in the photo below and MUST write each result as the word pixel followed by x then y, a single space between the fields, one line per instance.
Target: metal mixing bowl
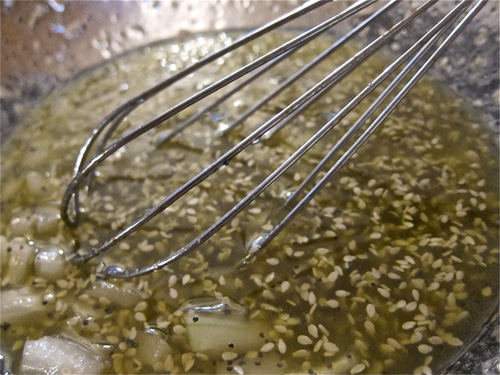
pixel 45 43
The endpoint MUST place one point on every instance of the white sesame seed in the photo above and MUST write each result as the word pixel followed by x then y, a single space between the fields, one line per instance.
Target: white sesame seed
pixel 453 341
pixel 267 347
pixel 370 327
pixel 394 343
pixel 140 317
pixel 141 306
pixel 189 364
pixel 173 293
pixel 349 258
pixel 311 298
pixel 186 278
pixel 272 261
pixel 360 367
pixel 285 285
pixel 416 337
pixel 280 328
pixel 313 330
pixel 342 293
pixel 330 347
pixel 435 340
pixel 332 303
pixel 370 310
pixel 411 306
pixel 301 353
pixel 133 333
pixel 172 280
pixel 270 277
pixel 281 346
pixel 384 293
pixel 409 325
pixel 424 349
pixel 333 276
pixel 229 356
pixel 304 340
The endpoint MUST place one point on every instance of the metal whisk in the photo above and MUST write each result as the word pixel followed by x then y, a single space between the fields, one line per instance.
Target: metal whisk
pixel 418 58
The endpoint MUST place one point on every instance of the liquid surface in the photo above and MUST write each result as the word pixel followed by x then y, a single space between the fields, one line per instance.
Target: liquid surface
pixel 392 268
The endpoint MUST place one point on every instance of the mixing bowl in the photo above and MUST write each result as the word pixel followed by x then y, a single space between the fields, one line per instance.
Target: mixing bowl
pixel 46 43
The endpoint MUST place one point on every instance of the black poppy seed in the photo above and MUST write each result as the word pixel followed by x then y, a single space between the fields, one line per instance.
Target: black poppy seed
pixel 195 319
pixel 108 311
pixel 9 249
pixel 231 345
pixel 266 341
pixel 310 371
pixel 229 363
pixel 85 322
pixel 241 363
pixel 123 338
pixel 5 326
pixel 44 302
pixel 229 368
pixel 349 355
pixel 257 363
pixel 279 364
pixel 328 365
pixel 261 334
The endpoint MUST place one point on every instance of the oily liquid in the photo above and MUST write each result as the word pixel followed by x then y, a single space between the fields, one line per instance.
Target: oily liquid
pixel 395 262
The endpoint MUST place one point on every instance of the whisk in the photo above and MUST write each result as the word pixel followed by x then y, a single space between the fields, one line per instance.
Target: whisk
pixel 418 58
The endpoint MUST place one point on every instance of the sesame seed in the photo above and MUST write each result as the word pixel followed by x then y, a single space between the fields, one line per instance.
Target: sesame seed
pixel 409 325
pixel 333 276
pixel 370 327
pixel 141 306
pixel 281 346
pixel 384 292
pixel 140 317
pixel 304 340
pixel 349 258
pixel 486 292
pixel 313 330
pixel 229 356
pixel 435 340
pixel 189 364
pixel 173 293
pixel 285 285
pixel 370 310
pixel 342 293
pixel 360 367
pixel 267 347
pixel 453 341
pixel 332 303
pixel 424 349
pixel 185 279
pixel 330 347
pixel 280 328
pixel 272 261
pixel 301 353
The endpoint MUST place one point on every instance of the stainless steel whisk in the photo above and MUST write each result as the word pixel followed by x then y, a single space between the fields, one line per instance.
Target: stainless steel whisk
pixel 419 58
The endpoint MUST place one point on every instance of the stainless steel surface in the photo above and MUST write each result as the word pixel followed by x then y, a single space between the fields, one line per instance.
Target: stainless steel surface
pixel 44 43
